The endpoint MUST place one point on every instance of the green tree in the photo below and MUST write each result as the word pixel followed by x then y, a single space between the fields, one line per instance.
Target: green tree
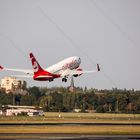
pixel 28 100
pixel 45 102
pixel 34 91
pixel 57 102
pixel 6 99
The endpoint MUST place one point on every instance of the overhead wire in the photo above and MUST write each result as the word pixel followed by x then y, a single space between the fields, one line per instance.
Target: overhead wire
pixel 15 46
pixel 118 27
pixel 111 20
pixel 74 44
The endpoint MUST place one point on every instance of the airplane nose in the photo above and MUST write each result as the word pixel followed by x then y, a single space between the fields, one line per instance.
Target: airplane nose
pixel 78 60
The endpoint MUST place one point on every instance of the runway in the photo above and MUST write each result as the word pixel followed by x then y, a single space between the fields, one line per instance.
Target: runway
pixel 68 124
pixel 70 137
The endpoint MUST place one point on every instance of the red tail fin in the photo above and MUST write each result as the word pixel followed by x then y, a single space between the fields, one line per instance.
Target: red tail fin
pixel 36 67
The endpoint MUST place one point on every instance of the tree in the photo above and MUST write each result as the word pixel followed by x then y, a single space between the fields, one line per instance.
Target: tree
pixel 24 85
pixel 57 101
pixel 28 100
pixel 34 91
pixel 45 102
pixel 6 99
pixel 100 109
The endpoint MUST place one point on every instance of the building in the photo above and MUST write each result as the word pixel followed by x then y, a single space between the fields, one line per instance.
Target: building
pixel 1 112
pixel 23 110
pixel 10 84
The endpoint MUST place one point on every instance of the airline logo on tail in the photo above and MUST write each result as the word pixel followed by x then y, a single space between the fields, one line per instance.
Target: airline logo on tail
pixel 36 67
pixel 39 72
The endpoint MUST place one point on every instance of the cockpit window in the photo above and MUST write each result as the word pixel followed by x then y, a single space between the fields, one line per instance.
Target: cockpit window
pixel 79 60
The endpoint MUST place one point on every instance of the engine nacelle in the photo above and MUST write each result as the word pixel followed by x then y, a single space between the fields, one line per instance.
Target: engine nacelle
pixel 80 72
pixel 76 75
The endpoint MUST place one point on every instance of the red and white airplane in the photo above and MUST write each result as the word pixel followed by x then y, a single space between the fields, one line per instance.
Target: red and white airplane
pixel 63 69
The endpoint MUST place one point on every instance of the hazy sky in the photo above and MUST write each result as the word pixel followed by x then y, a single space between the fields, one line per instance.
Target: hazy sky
pixel 99 31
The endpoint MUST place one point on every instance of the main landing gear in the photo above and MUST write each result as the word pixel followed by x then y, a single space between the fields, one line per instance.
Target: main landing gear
pixel 64 79
pixel 50 80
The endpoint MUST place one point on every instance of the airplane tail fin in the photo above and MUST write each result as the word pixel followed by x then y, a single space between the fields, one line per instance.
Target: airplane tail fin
pixel 36 67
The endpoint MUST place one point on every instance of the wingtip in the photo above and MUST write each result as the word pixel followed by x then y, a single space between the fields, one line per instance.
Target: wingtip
pixel 1 68
pixel 31 54
pixel 98 67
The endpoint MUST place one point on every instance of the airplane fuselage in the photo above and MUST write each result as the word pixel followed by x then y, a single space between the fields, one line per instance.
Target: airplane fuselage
pixel 56 70
pixel 69 63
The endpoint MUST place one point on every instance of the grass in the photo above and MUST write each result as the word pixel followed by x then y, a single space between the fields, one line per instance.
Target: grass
pixel 73 118
pixel 92 130
pixel 71 129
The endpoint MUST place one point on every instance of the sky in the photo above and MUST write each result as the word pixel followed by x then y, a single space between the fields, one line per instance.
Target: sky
pixel 98 31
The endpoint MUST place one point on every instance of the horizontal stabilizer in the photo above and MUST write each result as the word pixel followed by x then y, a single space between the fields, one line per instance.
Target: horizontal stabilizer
pixel 23 76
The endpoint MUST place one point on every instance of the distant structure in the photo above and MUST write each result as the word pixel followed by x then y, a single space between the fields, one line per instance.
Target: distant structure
pixel 22 110
pixel 11 84
pixel 72 87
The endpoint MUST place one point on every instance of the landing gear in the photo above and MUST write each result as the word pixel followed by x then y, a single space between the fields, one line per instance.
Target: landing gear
pixel 64 79
pixel 50 80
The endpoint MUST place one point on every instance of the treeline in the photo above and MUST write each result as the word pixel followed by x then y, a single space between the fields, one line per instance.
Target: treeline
pixel 61 99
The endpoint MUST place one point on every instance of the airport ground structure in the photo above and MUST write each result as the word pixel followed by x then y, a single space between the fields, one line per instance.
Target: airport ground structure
pixel 11 110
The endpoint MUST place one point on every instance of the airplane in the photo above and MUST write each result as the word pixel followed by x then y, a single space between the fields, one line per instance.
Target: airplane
pixel 63 69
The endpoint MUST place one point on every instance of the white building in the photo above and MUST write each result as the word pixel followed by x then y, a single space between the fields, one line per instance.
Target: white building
pixel 10 84
pixel 28 110
pixel 1 112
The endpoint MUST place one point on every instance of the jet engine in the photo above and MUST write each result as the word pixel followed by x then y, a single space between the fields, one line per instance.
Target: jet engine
pixel 79 70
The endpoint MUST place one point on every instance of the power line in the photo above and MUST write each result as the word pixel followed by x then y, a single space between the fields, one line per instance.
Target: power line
pixel 74 44
pixel 124 33
pixel 21 51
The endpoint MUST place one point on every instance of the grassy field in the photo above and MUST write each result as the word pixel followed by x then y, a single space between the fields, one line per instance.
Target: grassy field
pixel 72 129
pixel 92 130
pixel 57 117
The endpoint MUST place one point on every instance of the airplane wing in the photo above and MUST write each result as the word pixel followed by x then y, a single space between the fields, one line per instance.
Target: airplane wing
pixel 69 72
pixel 31 76
pixel 17 70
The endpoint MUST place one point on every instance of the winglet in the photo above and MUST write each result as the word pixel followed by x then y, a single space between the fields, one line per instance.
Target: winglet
pixel 98 67
pixel 1 68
